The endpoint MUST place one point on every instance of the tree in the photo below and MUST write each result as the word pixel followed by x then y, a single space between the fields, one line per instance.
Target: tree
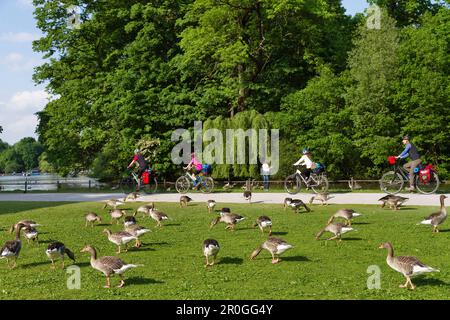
pixel 423 89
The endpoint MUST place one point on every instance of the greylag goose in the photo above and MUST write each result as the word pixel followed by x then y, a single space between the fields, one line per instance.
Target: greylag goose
pixel 230 219
pixel 11 249
pixel 406 265
pixel 116 214
pixel 338 229
pixel 109 266
pixel 346 214
pixel 264 222
pixel 228 186
pixel 275 246
pixel 120 238
pixel 25 223
pixel 296 204
pixel 113 203
pixel 30 233
pixel 353 185
pixel 132 196
pixel 224 211
pixel 437 218
pixel 210 204
pixel 144 209
pixel 184 200
pixel 210 249
pixel 137 231
pixel 322 197
pixel 248 196
pixel 158 216
pixel 394 202
pixel 57 250
pixel 91 218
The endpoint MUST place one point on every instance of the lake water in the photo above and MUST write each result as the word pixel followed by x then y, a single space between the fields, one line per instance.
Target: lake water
pixel 44 182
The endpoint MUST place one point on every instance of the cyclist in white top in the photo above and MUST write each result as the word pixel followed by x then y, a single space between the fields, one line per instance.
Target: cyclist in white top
pixel 306 161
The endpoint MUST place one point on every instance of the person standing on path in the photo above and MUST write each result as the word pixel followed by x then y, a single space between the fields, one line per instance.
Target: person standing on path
pixel 265 172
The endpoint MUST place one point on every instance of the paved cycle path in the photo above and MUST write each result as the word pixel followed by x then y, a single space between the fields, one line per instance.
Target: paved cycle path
pixel 338 198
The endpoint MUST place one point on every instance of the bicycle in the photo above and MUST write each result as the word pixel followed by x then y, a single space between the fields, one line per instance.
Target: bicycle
pixel 426 179
pixel 148 181
pixel 318 182
pixel 187 181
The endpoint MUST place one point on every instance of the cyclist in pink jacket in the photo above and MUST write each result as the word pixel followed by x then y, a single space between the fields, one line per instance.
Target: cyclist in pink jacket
pixel 196 165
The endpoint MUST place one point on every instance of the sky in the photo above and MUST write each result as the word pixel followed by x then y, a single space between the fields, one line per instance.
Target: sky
pixel 20 98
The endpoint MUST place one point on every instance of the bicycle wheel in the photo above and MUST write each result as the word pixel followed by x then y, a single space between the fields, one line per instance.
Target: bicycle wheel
pixel 128 185
pixel 151 187
pixel 292 184
pixel 427 187
pixel 391 182
pixel 320 184
pixel 207 185
pixel 183 184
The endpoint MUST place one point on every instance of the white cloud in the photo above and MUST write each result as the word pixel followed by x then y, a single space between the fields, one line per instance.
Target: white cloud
pixel 18 36
pixel 17 115
pixel 15 61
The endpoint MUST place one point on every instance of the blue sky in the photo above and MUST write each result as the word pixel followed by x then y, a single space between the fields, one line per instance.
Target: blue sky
pixel 20 99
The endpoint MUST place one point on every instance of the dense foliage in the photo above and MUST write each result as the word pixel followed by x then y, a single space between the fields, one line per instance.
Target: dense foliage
pixel 23 156
pixel 137 70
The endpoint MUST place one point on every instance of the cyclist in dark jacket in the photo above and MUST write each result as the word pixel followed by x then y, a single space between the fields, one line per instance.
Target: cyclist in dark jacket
pixel 411 151
pixel 143 165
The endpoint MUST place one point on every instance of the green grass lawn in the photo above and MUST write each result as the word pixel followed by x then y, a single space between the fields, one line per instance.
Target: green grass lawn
pixel 174 264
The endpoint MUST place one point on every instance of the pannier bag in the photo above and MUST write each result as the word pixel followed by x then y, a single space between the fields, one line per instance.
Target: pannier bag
pixel 206 169
pixel 145 177
pixel 319 168
pixel 392 160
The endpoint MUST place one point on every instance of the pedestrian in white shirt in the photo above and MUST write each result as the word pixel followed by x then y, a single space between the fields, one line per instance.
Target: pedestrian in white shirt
pixel 265 172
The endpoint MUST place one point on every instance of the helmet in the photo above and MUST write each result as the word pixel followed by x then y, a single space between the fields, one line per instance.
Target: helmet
pixel 406 137
pixel 305 151
pixel 136 150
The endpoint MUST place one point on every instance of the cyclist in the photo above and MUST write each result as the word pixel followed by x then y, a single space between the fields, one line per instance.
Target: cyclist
pixel 197 166
pixel 143 165
pixel 306 161
pixel 411 151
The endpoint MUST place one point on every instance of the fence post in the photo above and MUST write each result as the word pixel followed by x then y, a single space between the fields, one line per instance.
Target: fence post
pixel 89 184
pixel 26 184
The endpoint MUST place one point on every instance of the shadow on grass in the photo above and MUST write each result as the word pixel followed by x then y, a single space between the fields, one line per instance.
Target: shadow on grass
pixel 280 233
pixel 231 260
pixel 139 281
pixel 16 206
pixel 295 259
pixel 424 281
pixel 162 243
pixel 171 225
pixel 351 239
pixel 147 248
pixel 360 223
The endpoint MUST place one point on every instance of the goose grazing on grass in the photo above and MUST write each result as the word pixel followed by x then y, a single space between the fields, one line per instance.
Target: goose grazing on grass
pixel 11 249
pixel 394 202
pixel 437 218
pixel 228 186
pixel 158 216
pixel 30 233
pixel 275 246
pixel 109 266
pixel 353 185
pixel 406 265
pixel 264 222
pixel 137 231
pixel 322 197
pixel 224 211
pixel 144 209
pixel 230 219
pixel 210 250
pixel 113 203
pixel 346 214
pixel 184 200
pixel 210 204
pixel 248 196
pixel 92 218
pixel 132 196
pixel 116 214
pixel 120 238
pixel 25 223
pixel 338 229
pixel 57 250
pixel 296 204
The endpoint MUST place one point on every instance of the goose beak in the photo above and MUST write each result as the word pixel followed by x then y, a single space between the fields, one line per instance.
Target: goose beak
pixel 381 246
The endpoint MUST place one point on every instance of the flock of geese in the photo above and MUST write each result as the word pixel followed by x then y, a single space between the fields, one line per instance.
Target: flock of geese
pixel 110 265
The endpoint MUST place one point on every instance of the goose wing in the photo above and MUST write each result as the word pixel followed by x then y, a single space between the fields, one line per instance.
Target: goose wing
pixel 111 262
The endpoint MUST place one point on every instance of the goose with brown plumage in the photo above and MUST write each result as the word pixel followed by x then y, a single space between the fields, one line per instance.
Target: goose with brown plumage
pixel 184 200
pixel 109 266
pixel 407 265
pixel 296 204
pixel 92 218
pixel 437 218
pixel 11 249
pixel 31 233
pixel 262 223
pixel 137 231
pixel 120 238
pixel 25 223
pixel 230 219
pixel 347 214
pixel 210 250
pixel 275 246
pixel 57 250
pixel 210 204
pixel 394 202
pixel 338 229
pixel 116 214
pixel 144 209
pixel 158 216
pixel 113 203
pixel 322 197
